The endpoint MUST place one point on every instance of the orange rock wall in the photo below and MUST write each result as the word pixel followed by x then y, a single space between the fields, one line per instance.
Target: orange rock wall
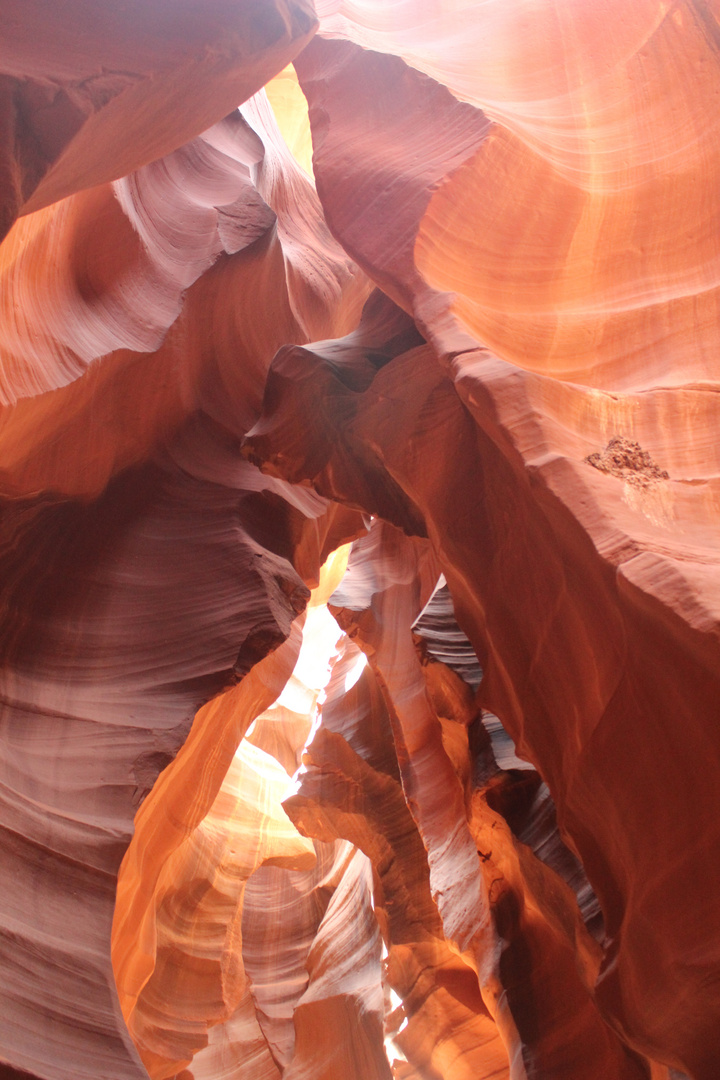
pixel 446 292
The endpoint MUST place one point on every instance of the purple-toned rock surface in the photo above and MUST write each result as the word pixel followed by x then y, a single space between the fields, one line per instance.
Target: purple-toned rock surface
pixel 359 505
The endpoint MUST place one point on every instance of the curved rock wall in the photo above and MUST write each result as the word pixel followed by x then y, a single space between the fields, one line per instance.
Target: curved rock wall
pixel 446 292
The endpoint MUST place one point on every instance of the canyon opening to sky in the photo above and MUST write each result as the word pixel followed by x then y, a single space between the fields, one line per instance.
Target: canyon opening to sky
pixel 359 540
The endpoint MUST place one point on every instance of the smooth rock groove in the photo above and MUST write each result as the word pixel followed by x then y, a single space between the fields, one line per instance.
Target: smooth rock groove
pixel 359 558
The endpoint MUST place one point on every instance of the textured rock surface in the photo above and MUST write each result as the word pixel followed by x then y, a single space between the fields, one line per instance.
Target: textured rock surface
pixel 90 94
pixel 448 292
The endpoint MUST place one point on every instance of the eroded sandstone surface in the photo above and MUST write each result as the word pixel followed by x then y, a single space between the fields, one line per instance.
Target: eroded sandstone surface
pixel 359 540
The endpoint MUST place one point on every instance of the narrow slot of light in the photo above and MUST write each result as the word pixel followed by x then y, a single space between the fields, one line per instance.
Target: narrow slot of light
pixel 296 781
pixel 355 671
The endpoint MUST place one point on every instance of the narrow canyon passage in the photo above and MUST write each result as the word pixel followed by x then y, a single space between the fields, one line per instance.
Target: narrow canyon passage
pixel 359 545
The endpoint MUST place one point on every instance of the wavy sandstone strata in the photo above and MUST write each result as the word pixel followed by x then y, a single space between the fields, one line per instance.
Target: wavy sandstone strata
pixel 453 814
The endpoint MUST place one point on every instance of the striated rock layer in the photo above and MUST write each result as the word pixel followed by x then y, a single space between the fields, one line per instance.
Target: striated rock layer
pixel 90 94
pixel 359 506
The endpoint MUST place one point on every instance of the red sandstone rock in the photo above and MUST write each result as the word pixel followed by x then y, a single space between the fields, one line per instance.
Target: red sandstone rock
pixel 529 407
pixel 515 500
pixel 90 93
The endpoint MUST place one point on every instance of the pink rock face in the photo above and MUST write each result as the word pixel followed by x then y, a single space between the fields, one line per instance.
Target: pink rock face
pixel 359 588
pixel 89 95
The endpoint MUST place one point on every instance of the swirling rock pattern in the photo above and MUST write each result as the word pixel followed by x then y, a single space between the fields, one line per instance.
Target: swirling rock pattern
pixel 90 95
pixel 447 292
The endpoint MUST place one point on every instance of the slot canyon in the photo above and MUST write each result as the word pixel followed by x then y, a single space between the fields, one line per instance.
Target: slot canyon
pixel 360 540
